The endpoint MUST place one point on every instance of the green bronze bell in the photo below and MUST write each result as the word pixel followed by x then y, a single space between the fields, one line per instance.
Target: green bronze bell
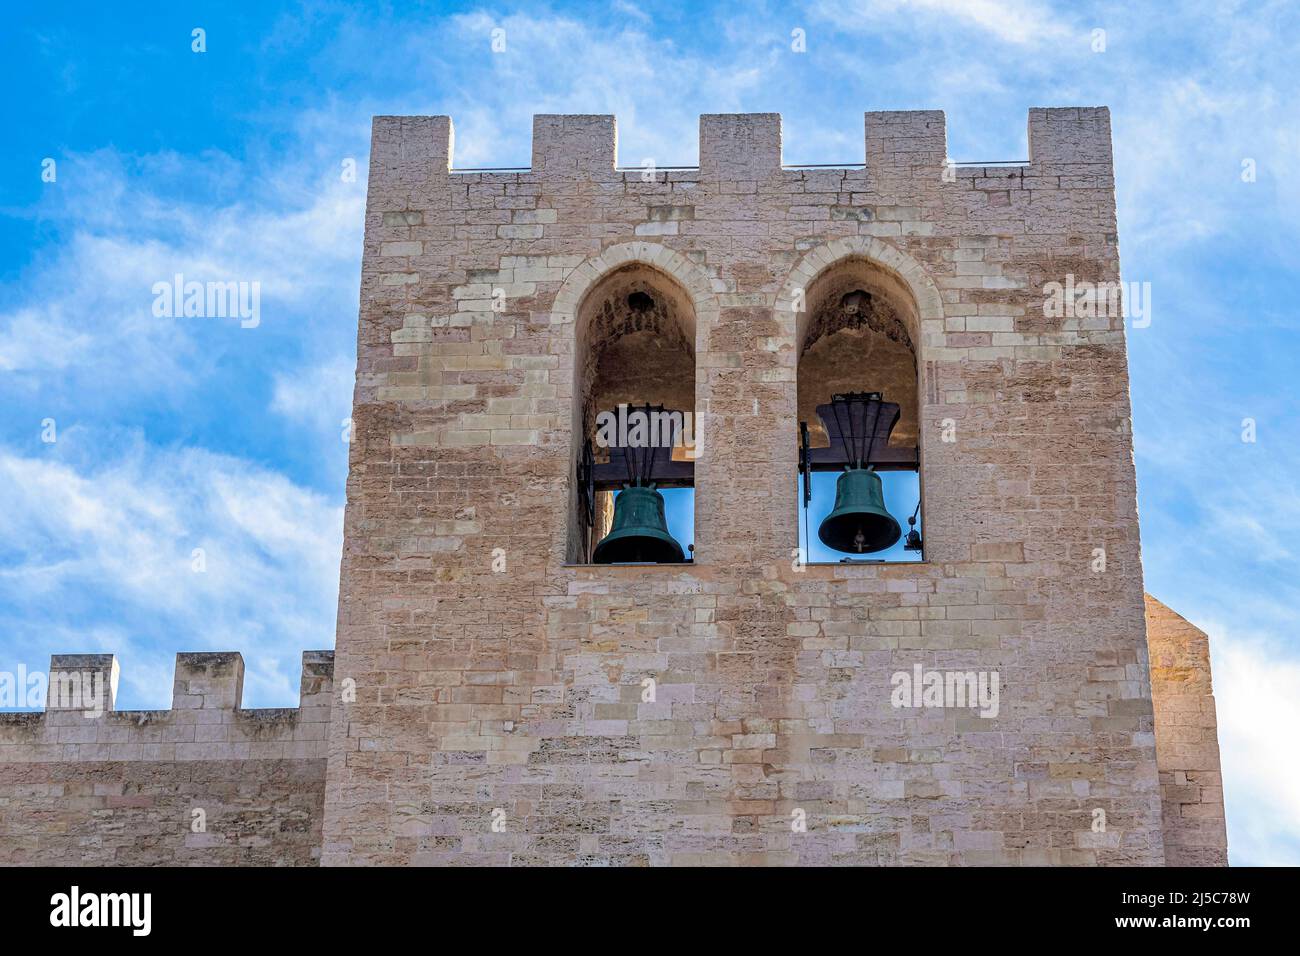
pixel 639 531
pixel 859 523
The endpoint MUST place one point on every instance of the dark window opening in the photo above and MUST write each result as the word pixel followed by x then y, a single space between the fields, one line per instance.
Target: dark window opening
pixel 858 487
pixel 634 422
pixel 640 302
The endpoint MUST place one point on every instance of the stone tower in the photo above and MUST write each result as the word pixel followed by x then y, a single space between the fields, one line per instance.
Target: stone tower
pixel 501 711
pixel 495 698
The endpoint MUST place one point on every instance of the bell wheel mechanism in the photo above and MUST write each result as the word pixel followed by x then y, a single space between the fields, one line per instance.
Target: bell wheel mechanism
pixel 858 425
pixel 638 533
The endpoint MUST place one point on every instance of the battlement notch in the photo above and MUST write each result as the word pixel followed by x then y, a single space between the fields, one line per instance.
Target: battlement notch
pixel 1070 136
pixel 577 146
pixel 740 146
pixel 410 150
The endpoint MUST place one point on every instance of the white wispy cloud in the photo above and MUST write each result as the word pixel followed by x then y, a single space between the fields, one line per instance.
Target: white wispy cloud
pixel 562 64
pixel 99 531
pixel 1018 22
pixel 103 558
pixel 86 310
pixel 1255 679
pixel 318 397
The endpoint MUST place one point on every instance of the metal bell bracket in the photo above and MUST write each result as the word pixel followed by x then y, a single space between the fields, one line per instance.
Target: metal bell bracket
pixel 858 425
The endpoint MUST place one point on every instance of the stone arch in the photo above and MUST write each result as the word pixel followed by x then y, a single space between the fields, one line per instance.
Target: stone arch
pixel 676 266
pixel 630 266
pixel 818 260
pixel 901 279
pixel 859 314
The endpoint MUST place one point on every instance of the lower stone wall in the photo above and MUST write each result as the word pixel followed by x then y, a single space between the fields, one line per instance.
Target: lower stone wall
pixel 142 813
pixel 769 705
pixel 205 783
pixel 1187 740
pixel 122 788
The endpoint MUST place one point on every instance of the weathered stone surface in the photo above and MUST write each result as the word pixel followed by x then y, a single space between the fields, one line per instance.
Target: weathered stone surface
pixel 499 714
pixel 497 704
pixel 1187 740
pixel 202 784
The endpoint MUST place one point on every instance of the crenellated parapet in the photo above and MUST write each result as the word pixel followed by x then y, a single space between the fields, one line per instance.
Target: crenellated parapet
pixel 204 783
pixel 206 721
pixel 420 150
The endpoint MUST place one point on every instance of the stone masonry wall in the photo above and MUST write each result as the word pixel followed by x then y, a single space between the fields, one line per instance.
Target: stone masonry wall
pixel 499 714
pixel 1187 740
pixel 121 788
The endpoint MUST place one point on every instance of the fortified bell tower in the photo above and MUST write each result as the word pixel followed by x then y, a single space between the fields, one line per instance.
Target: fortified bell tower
pixel 977 692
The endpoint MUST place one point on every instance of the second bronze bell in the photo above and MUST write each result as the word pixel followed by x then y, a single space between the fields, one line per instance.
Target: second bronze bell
pixel 859 522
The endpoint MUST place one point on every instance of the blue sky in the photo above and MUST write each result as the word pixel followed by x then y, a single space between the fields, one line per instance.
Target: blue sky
pixel 176 435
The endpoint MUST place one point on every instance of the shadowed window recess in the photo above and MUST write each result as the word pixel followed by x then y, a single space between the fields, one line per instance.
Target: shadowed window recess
pixel 635 382
pixel 858 486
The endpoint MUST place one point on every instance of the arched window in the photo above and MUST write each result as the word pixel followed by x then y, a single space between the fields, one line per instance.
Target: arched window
pixel 858 408
pixel 634 418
